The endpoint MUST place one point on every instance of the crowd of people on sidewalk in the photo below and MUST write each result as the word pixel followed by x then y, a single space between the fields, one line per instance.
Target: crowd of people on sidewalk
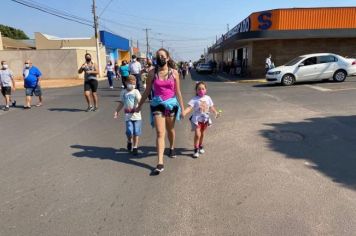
pixel 32 84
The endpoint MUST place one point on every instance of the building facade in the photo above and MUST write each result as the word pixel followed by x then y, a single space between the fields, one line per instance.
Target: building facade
pixel 285 33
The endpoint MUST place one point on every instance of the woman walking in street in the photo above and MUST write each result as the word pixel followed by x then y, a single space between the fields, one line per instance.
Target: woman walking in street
pixel 166 105
pixel 90 82
pixel 110 74
pixel 124 72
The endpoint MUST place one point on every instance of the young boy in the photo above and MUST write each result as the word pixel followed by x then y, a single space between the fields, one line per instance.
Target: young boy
pixel 130 97
pixel 7 84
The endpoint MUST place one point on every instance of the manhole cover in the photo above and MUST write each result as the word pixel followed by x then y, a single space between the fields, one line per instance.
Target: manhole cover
pixel 285 136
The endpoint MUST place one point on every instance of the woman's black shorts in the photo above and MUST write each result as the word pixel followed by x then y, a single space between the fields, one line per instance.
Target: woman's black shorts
pixel 161 110
pixel 91 85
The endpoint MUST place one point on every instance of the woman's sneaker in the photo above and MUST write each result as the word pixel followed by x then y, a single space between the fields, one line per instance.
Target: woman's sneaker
pixel 172 153
pixel 90 108
pixel 196 153
pixel 201 150
pixel 158 170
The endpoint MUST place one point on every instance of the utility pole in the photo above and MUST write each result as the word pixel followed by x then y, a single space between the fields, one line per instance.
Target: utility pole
pixel 97 37
pixel 228 28
pixel 162 43
pixel 147 45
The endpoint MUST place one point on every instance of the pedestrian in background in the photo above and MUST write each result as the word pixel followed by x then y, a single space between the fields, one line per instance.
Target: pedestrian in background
pixel 124 72
pixel 32 83
pixel 166 105
pixel 7 84
pixel 110 74
pixel 90 82
pixel 135 70
pixel 117 72
pixel 268 63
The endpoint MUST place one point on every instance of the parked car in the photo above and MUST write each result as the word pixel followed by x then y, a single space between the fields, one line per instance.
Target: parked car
pixel 313 67
pixel 204 67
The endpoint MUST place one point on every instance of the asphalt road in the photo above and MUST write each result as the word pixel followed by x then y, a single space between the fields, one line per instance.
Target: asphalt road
pixel 280 161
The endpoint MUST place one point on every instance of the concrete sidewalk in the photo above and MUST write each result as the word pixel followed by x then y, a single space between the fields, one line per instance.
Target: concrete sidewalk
pixel 57 83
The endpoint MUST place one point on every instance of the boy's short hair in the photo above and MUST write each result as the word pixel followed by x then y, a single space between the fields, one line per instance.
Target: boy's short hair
pixel 131 79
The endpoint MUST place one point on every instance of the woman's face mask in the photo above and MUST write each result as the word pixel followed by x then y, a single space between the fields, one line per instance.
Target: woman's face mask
pixel 5 66
pixel 27 65
pixel 161 61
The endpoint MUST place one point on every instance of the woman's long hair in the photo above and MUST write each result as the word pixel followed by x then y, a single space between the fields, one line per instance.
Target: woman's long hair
pixel 171 63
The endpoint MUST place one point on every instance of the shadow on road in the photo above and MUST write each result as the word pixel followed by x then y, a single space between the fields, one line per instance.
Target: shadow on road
pixel 121 155
pixel 66 110
pixel 327 142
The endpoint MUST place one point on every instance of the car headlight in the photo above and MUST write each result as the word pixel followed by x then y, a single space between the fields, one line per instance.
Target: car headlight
pixel 274 73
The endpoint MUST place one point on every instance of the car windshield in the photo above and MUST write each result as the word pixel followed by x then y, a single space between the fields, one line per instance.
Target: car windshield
pixel 294 61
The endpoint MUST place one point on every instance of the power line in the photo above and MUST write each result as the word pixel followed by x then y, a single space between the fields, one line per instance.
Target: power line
pixel 107 5
pixel 55 13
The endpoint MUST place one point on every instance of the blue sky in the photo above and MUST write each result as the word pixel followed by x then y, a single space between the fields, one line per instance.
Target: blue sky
pixel 194 24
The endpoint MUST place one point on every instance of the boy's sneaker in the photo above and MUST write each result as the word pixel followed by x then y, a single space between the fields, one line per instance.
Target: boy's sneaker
pixel 129 147
pixel 172 153
pixel 158 170
pixel 95 109
pixel 201 150
pixel 13 104
pixel 196 153
pixel 135 151
pixel 90 108
pixel 6 108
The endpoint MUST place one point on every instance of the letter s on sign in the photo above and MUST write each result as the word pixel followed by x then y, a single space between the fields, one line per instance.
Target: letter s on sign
pixel 265 20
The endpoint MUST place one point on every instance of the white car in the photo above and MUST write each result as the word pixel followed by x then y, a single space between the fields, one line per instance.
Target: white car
pixel 313 67
pixel 204 67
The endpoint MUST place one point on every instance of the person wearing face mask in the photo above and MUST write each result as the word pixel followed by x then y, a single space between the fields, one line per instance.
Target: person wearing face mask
pixel 130 97
pixel 110 74
pixel 124 72
pixel 201 105
pixel 7 84
pixel 32 82
pixel 90 83
pixel 166 104
pixel 135 69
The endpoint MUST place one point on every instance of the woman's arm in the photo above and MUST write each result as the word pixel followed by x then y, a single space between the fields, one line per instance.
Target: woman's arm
pixel 178 92
pixel 147 90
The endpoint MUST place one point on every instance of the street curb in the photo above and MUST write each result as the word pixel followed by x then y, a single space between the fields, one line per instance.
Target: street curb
pixel 253 81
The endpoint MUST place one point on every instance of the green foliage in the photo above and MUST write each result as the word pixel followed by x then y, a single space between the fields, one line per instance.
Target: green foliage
pixel 13 33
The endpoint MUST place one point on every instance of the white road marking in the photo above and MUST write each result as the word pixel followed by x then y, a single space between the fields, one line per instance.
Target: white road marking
pixel 318 88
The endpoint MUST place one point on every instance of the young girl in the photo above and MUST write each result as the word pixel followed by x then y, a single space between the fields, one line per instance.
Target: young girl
pixel 201 105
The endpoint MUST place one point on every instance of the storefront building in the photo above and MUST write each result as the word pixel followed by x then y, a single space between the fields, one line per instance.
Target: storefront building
pixel 285 33
pixel 117 47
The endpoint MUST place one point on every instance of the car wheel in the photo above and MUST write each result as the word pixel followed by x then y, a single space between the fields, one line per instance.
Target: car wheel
pixel 288 80
pixel 339 76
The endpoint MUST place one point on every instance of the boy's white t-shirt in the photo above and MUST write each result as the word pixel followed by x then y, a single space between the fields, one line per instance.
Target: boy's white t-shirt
pixel 201 107
pixel 131 100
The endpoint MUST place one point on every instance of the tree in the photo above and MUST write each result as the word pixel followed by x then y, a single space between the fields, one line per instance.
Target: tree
pixel 13 33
